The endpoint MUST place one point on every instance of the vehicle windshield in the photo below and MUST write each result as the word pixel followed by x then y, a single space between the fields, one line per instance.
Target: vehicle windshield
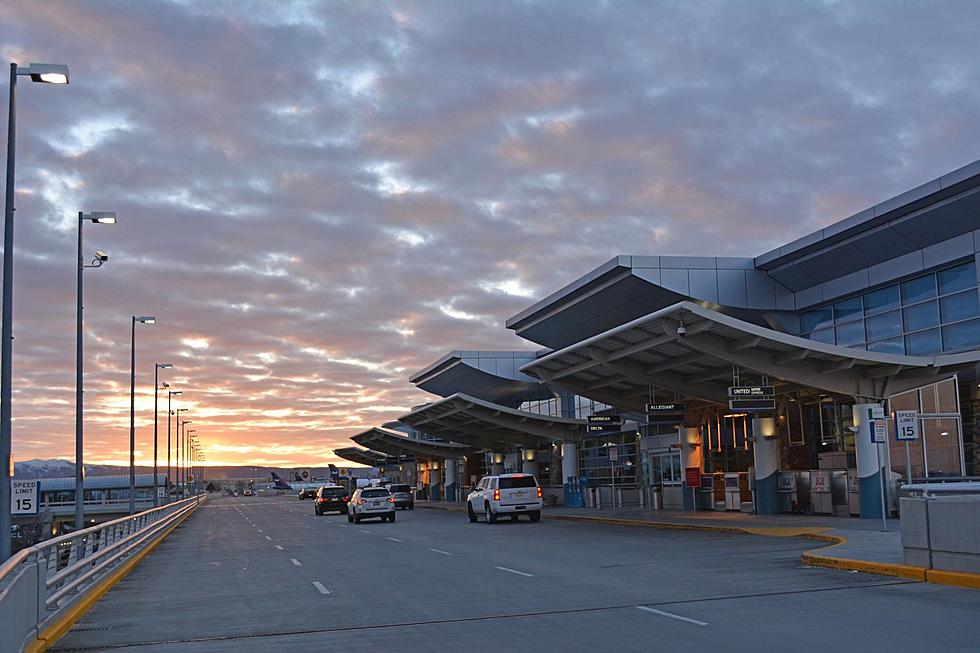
pixel 374 494
pixel 400 488
pixel 510 482
pixel 332 493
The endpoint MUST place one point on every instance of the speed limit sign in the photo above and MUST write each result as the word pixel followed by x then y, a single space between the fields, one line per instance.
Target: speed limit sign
pixel 24 498
pixel 906 425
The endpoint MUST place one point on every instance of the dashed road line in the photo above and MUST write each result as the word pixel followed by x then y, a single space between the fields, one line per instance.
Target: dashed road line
pixel 514 571
pixel 296 563
pixel 260 530
pixel 320 588
pixel 268 538
pixel 671 615
pixel 394 539
pixel 364 530
pixel 279 547
pixel 445 553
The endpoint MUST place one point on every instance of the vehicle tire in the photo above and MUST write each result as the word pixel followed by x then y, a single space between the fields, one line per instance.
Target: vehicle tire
pixel 535 516
pixel 469 511
pixel 489 514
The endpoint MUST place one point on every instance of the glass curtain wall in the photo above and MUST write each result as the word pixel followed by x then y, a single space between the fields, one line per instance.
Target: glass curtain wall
pixel 939 449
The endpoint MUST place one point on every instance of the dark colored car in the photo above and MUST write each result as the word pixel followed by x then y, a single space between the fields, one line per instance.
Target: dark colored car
pixel 331 497
pixel 308 493
pixel 404 498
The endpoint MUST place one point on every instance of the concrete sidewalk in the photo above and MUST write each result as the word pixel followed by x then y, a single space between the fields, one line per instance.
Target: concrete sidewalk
pixel 851 543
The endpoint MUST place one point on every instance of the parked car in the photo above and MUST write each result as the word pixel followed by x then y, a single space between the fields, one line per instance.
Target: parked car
pixel 404 497
pixel 307 493
pixel 248 493
pixel 369 502
pixel 505 494
pixel 329 498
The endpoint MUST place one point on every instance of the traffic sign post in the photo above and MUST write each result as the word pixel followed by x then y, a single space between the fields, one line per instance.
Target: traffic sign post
pixel 613 457
pixel 692 479
pixel 907 430
pixel 879 434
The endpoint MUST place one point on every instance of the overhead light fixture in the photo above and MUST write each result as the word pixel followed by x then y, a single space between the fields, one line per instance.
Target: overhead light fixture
pixel 146 319
pixel 48 73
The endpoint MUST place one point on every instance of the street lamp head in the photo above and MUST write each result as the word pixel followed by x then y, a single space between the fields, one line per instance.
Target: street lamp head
pixel 176 392
pixel 48 73
pixel 100 217
pixel 165 366
pixel 145 319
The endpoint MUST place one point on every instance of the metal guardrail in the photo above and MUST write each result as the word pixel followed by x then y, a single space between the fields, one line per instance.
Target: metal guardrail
pixel 39 583
pixel 946 489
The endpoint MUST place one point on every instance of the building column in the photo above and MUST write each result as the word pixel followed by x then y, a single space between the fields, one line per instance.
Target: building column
pixel 496 463
pixel 690 457
pixel 569 461
pixel 450 478
pixel 765 451
pixel 869 461
pixel 528 463
pixel 435 489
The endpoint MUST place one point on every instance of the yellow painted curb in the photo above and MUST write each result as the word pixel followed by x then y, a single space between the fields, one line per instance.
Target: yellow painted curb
pixel 957 578
pixel 64 622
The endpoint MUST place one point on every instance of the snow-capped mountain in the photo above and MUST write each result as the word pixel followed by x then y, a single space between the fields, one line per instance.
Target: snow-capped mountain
pixel 58 468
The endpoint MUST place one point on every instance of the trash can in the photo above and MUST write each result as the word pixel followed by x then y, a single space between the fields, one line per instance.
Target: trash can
pixel 786 497
pixel 706 493
pixel 733 493
pixel 656 498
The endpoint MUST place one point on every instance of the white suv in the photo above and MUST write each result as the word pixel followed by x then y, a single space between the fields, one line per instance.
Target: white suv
pixel 506 494
pixel 369 502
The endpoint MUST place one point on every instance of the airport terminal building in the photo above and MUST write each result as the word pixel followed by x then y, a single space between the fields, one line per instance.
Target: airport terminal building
pixel 774 377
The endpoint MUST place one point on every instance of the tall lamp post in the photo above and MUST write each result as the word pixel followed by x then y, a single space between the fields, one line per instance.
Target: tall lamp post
pixel 156 386
pixel 170 394
pixel 145 319
pixel 104 217
pixel 49 74
pixel 182 475
pixel 189 457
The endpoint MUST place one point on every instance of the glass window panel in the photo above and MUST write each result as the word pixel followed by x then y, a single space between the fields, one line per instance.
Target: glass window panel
pixel 961 335
pixel 823 335
pixel 904 401
pixel 850 334
pixel 921 316
pixel 886 325
pixel 918 289
pixel 960 306
pixel 946 394
pixel 924 342
pixel 881 300
pixel 848 309
pixel 959 278
pixel 927 396
pixel 890 346
pixel 943 446
pixel 820 317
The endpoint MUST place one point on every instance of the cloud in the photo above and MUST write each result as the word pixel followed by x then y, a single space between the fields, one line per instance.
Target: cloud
pixel 317 199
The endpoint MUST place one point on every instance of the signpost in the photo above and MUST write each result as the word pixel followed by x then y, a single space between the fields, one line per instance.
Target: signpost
pixel 760 398
pixel 613 457
pixel 907 430
pixel 665 413
pixel 879 434
pixel 692 479
pixel 24 497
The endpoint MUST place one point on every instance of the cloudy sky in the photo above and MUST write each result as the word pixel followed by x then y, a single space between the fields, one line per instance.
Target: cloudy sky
pixel 317 199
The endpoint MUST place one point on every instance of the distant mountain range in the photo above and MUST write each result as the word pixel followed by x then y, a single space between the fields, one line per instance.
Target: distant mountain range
pixel 59 468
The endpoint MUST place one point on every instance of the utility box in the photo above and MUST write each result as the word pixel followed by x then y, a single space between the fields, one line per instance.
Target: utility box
pixel 793 491
pixel 820 492
pixel 733 493
pixel 853 493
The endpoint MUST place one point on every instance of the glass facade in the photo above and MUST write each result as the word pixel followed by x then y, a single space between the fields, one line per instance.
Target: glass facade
pixel 928 314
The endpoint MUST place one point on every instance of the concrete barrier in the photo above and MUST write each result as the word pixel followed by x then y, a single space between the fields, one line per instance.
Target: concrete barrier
pixel 942 532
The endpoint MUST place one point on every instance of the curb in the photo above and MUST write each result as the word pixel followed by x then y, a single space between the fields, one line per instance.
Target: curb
pixel 811 558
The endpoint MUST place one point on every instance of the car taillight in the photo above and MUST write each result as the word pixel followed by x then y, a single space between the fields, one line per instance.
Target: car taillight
pixel 360 501
pixel 496 495
pixel 539 492
pixel 391 499
pixel 346 499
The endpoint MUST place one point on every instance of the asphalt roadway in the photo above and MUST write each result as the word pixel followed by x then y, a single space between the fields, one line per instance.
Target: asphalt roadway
pixel 264 574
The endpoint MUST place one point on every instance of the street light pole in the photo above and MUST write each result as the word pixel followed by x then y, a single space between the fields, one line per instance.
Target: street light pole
pixel 183 442
pixel 132 409
pixel 52 74
pixel 170 394
pixel 156 386
pixel 177 446
pixel 97 262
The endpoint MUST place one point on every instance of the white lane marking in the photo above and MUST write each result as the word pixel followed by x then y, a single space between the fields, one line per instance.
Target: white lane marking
pixel 320 588
pixel 394 539
pixel 363 530
pixel 514 571
pixel 260 530
pixel 445 553
pixel 268 538
pixel 279 547
pixel 296 563
pixel 671 615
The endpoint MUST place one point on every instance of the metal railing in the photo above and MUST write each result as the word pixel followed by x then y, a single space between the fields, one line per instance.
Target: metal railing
pixel 36 584
pixel 934 489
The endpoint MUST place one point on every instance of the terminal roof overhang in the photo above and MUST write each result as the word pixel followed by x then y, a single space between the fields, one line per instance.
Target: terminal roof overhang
pixel 939 210
pixel 361 456
pixel 621 365
pixel 479 374
pixel 394 443
pixel 485 425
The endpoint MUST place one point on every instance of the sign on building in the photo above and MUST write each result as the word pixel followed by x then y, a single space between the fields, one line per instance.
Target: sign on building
pixel 761 398
pixel 906 425
pixel 604 424
pixel 24 497
pixel 665 413
pixel 879 431
pixel 692 476
pixel 613 453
